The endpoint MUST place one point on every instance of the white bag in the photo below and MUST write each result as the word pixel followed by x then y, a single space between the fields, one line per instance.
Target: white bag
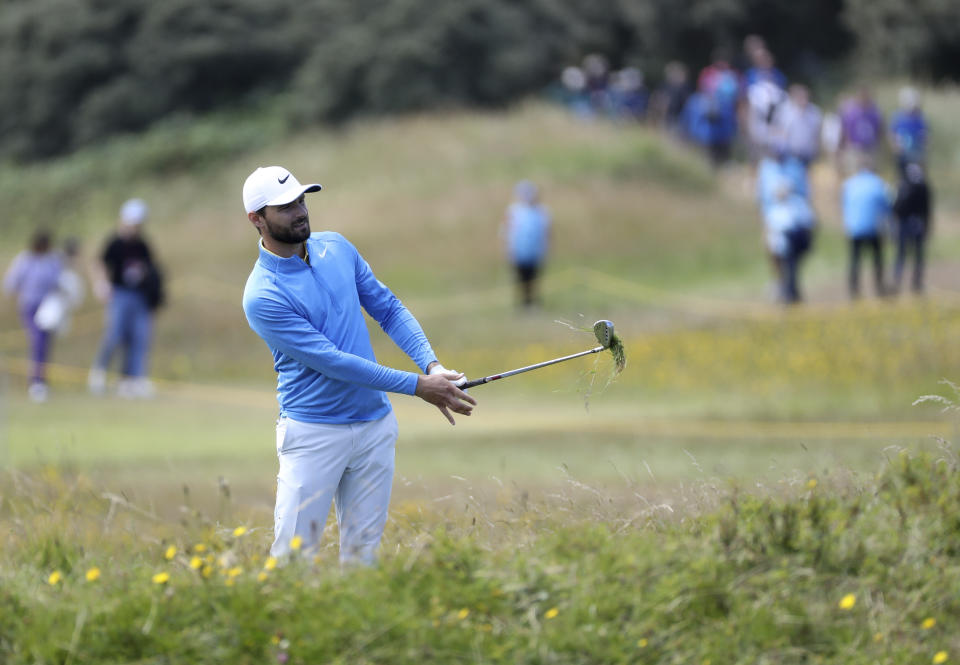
pixel 52 312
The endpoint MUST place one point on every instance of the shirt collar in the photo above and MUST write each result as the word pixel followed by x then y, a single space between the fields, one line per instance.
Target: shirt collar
pixel 276 263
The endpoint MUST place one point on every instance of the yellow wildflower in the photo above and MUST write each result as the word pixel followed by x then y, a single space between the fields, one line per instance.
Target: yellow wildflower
pixel 939 657
pixel 463 614
pixel 295 543
pixel 642 642
pixel 811 483
pixel 878 637
pixel 199 548
pixel 170 553
pixel 929 623
pixel 93 574
pixel 161 578
pixel 239 531
pixel 207 571
pixel 551 613
pixel 262 577
pixel 235 571
pixel 848 601
pixel 196 563
pixel 55 578
pixel 270 563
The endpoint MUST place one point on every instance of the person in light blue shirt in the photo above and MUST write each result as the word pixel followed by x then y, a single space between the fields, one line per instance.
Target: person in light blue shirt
pixel 866 209
pixel 336 433
pixel 789 222
pixel 526 231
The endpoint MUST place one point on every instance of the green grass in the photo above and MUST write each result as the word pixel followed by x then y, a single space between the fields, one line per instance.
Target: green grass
pixel 826 569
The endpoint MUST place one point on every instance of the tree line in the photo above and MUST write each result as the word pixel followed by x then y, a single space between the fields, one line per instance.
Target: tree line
pixel 73 72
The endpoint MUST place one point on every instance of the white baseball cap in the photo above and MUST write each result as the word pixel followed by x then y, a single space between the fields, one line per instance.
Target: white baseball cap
pixel 133 212
pixel 272 186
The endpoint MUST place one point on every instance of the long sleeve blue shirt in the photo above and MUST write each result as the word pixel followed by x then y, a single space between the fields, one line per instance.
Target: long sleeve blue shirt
pixel 866 204
pixel 310 317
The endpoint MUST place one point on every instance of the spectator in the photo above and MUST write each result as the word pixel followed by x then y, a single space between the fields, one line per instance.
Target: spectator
pixel 908 130
pixel 772 169
pixel 669 100
pixel 129 281
pixel 798 126
pixel 789 222
pixel 765 93
pixel 575 95
pixel 57 306
pixel 526 231
pixel 628 95
pixel 31 276
pixel 861 129
pixel 912 212
pixel 596 68
pixel 763 68
pixel 710 114
pixel 866 208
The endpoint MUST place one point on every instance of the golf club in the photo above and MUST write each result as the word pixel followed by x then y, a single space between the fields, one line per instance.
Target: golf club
pixel 602 329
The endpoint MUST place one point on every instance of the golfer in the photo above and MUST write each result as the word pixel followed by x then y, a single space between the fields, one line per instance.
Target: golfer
pixel 336 431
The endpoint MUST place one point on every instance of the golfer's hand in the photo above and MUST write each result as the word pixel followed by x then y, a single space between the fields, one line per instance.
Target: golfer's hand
pixel 439 389
pixel 436 368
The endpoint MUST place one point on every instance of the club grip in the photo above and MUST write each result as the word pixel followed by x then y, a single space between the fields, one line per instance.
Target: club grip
pixel 475 382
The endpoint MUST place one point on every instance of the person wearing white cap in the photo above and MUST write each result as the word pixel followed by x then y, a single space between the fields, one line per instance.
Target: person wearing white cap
pixel 128 280
pixel 336 432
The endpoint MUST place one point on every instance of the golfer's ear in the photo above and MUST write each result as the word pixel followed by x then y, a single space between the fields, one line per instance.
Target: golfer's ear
pixel 255 219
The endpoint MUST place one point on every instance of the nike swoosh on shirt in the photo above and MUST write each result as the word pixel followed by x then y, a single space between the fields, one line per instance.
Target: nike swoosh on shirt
pixel 320 255
pixel 284 179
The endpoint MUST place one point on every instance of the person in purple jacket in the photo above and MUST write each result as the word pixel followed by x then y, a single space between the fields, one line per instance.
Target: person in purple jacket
pixel 305 298
pixel 861 129
pixel 34 274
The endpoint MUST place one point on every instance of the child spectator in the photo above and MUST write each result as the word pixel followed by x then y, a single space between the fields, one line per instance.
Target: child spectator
pixel 789 222
pixel 31 277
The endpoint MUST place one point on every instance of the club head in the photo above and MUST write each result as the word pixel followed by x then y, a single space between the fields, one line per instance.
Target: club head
pixel 603 329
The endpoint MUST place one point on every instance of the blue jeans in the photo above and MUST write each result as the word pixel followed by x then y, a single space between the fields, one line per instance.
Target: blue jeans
pixel 129 324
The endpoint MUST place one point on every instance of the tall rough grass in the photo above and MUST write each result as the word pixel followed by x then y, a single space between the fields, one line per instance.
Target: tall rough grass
pixel 830 569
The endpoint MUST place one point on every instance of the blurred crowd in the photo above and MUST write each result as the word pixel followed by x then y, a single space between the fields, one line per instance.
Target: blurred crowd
pixel 747 105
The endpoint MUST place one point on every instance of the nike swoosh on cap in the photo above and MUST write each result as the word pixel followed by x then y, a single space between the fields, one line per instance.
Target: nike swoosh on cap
pixel 284 179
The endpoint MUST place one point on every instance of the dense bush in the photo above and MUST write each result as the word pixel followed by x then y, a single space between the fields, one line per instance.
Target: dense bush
pixel 75 71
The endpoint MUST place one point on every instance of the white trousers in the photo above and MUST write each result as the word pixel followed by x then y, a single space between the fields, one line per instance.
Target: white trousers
pixel 350 465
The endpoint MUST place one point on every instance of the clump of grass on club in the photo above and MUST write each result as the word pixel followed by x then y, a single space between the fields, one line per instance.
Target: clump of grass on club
pixel 604 332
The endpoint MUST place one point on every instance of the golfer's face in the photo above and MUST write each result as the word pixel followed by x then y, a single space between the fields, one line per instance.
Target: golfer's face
pixel 288 223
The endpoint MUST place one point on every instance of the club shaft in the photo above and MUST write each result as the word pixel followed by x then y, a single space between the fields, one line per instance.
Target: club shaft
pixel 494 377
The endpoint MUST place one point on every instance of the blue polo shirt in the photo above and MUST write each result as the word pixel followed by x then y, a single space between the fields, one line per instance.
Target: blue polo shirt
pixel 311 317
pixel 866 204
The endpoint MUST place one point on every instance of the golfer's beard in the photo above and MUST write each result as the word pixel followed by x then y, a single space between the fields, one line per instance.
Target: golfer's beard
pixel 290 235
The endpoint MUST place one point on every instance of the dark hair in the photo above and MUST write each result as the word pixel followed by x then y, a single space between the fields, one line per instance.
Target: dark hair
pixel 40 241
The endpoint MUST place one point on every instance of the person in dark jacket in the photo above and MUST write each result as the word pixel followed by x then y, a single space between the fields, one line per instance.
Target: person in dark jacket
pixel 911 210
pixel 130 283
